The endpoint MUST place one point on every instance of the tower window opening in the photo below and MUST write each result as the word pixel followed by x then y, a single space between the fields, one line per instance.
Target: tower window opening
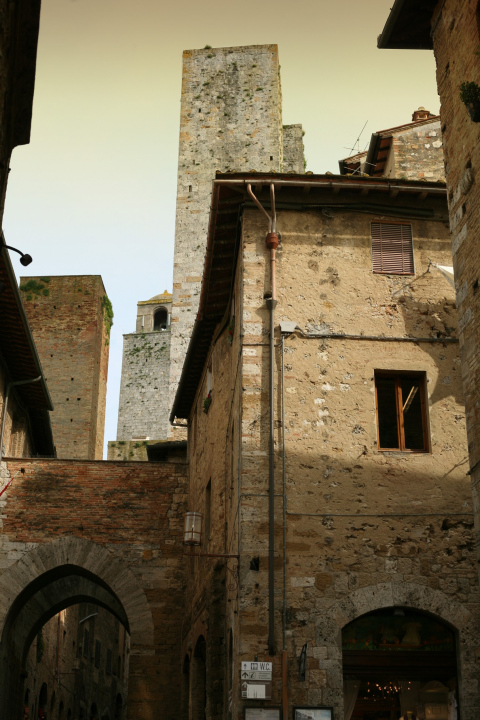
pixel 160 319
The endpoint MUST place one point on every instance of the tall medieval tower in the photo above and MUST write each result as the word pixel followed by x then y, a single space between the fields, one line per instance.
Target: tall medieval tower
pixel 231 119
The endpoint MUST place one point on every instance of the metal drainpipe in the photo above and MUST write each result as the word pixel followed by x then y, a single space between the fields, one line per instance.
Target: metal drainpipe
pixel 272 244
pixel 5 405
pixel 284 528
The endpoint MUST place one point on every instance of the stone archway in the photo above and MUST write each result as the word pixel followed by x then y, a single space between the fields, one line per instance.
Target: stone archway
pixel 409 595
pixel 52 576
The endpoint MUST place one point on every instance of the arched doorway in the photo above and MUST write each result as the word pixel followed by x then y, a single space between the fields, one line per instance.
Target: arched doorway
pixel 42 702
pixel 398 661
pixel 51 577
pixel 185 699
pixel 199 680
pixel 118 707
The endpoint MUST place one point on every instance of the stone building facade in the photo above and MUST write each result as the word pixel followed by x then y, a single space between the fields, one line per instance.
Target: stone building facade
pixel 412 151
pixel 77 666
pixel 372 538
pixel 230 120
pixel 452 30
pixel 144 390
pixel 70 317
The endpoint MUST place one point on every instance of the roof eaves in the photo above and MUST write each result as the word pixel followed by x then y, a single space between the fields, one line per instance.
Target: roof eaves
pixel 22 317
pixel 408 26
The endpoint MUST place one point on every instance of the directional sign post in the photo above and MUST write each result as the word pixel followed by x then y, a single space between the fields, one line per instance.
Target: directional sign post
pixel 256 680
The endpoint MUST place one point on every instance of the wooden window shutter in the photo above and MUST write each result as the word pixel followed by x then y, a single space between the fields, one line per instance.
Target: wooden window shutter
pixel 392 249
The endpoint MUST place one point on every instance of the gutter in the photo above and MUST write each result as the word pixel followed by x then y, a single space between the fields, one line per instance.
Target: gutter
pixel 430 188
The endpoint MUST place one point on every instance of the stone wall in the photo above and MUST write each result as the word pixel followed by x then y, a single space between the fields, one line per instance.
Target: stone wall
pixel 67 316
pixel 144 399
pixel 364 529
pixel 293 157
pixel 144 405
pixel 231 119
pixel 76 679
pixel 110 532
pixel 417 154
pixel 456 40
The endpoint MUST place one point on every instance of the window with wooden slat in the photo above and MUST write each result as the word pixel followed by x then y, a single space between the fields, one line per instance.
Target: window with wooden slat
pixel 392 249
pixel 401 411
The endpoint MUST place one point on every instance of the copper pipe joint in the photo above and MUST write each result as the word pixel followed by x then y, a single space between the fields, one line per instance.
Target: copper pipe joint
pixel 272 240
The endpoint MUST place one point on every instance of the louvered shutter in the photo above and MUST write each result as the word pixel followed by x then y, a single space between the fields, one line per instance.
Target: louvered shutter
pixel 392 248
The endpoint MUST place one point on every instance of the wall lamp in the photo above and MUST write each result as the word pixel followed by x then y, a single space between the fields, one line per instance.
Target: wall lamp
pixel 25 259
pixel 192 536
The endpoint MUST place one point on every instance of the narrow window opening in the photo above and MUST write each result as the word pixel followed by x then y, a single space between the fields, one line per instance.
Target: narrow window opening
pixel 160 319
pixel 255 564
pixel 208 510
pixel 189 188
pixel 85 640
pixel 401 412
pixel 97 653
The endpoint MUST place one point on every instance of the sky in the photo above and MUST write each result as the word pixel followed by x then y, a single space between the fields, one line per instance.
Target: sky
pixel 94 191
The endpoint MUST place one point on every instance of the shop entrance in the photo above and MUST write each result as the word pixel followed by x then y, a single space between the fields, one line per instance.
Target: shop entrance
pixel 399 663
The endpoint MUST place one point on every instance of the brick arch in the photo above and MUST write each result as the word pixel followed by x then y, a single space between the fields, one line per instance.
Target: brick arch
pixel 412 595
pixel 95 559
pixel 51 576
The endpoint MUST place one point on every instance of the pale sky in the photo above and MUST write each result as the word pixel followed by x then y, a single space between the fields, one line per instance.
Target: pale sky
pixel 94 192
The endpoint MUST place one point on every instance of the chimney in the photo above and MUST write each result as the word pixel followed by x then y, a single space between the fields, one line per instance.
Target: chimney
pixel 421 114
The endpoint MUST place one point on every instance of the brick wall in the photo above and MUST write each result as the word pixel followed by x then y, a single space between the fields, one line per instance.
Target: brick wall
pixel 133 512
pixel 16 434
pixel 67 319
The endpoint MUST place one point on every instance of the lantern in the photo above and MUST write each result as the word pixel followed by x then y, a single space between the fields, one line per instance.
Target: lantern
pixel 192 529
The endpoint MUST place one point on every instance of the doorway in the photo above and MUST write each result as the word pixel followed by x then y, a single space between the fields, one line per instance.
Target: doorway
pixel 396 662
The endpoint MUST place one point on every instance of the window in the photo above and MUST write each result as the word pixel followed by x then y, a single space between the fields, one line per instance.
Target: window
pixel 160 319
pixel 392 249
pixel 108 668
pixel 85 643
pixel 401 411
pixel 208 510
pixel 97 653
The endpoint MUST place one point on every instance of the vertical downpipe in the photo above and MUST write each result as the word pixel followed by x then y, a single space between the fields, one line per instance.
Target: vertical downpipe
pixel 272 244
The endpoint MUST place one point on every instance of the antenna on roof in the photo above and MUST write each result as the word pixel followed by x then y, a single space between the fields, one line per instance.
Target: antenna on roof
pixel 356 144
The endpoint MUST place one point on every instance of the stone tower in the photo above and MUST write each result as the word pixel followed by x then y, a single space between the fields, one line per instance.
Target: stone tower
pixel 231 119
pixel 144 398
pixel 70 317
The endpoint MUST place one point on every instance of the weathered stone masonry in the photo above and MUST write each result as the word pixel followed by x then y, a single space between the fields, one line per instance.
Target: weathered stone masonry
pixel 231 119
pixel 144 391
pixel 364 529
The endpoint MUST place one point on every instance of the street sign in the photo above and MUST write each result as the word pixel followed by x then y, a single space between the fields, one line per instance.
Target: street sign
pixel 256 675
pixel 256 690
pixel 256 665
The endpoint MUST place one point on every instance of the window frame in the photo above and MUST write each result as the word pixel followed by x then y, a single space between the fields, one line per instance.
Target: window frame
pixel 387 272
pixel 399 375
